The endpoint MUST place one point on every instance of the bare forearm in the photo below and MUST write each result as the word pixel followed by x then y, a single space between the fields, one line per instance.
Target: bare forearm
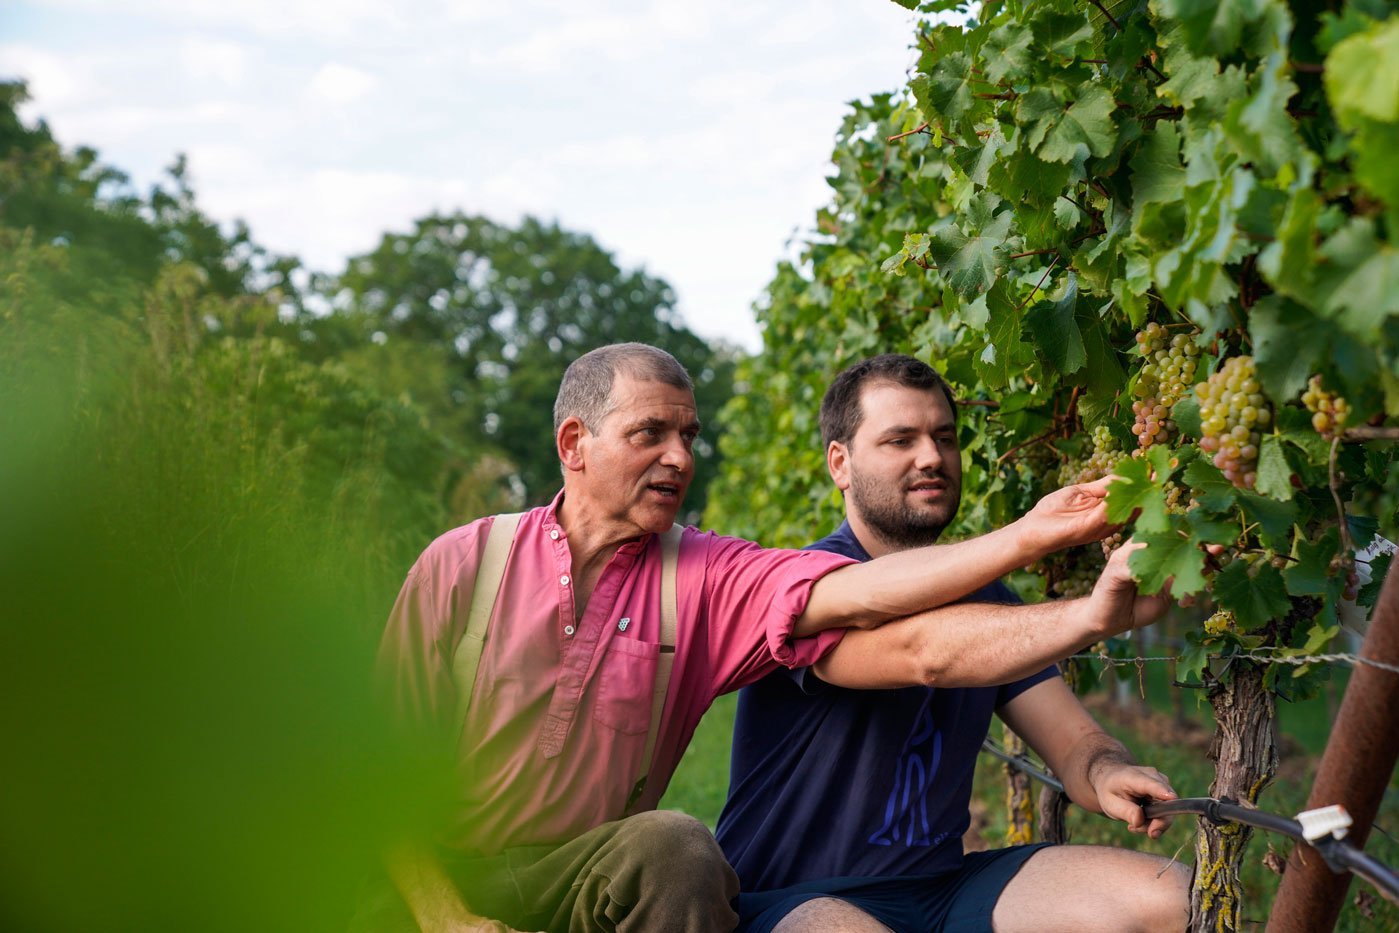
pixel 963 645
pixel 433 899
pixel 897 585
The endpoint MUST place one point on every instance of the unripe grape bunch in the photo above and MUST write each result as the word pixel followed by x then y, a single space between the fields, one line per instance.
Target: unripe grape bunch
pixel 1222 621
pixel 1232 410
pixel 1329 410
pixel 1166 375
pixel 1101 461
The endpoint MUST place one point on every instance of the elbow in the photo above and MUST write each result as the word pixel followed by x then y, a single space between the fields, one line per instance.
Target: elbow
pixel 931 667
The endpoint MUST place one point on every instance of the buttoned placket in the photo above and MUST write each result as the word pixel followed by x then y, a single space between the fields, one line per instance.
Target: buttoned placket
pixel 582 638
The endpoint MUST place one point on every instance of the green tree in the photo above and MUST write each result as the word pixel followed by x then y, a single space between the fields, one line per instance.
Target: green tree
pixel 505 309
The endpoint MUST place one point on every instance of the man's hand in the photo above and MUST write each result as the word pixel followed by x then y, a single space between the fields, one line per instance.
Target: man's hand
pixel 1067 517
pixel 1115 598
pixel 1123 790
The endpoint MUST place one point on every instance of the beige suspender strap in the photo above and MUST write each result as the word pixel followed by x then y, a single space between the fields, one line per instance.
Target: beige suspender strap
pixel 665 661
pixel 485 591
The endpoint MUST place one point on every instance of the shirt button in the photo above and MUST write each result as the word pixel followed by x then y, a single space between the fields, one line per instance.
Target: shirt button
pixel 568 630
pixel 554 534
pixel 564 579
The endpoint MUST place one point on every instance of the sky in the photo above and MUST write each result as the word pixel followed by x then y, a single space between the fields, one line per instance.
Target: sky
pixel 690 139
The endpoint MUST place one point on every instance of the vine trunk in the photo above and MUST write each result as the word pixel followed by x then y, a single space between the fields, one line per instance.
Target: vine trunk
pixel 1246 759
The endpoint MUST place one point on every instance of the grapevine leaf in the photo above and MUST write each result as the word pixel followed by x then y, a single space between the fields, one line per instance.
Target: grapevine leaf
pixel 1259 124
pixel 1007 52
pixel 1068 135
pixel 1379 569
pixel 1214 26
pixel 1000 359
pixel 1296 427
pixel 1318 638
pixel 1055 331
pixel 1061 33
pixel 1362 76
pixel 1157 174
pixel 1360 278
pixel 1135 490
pixel 1288 262
pixel 1210 530
pixel 1211 489
pixel 1363 529
pixel 1335 27
pixel 1255 599
pixel 1274 473
pixel 1288 344
pixel 1168 556
pixel 1103 375
pixel 1274 518
pixel 971 260
pixel 1192 662
pixel 1186 415
pixel 1310 574
pixel 945 93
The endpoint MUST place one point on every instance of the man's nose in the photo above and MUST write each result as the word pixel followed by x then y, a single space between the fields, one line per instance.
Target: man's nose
pixel 677 456
pixel 927 455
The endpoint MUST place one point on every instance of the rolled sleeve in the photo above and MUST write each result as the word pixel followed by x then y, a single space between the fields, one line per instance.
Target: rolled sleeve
pixel 755 596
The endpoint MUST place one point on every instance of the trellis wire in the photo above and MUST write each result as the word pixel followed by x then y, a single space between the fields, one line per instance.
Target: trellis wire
pixel 1338 854
pixel 1351 659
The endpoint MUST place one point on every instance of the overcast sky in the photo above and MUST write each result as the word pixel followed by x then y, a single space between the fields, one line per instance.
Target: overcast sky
pixel 691 139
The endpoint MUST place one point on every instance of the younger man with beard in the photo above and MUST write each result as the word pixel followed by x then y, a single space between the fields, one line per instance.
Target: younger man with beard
pixel 847 806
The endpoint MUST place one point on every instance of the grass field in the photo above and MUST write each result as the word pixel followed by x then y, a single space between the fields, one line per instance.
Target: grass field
pixel 1155 735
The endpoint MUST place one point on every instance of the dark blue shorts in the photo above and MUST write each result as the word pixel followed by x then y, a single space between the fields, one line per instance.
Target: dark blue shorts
pixel 960 900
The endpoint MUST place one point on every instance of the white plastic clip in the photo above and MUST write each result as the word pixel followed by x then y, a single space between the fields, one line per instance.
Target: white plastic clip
pixel 1331 821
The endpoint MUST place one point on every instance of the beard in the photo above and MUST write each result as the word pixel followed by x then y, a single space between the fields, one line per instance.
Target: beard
pixel 894 519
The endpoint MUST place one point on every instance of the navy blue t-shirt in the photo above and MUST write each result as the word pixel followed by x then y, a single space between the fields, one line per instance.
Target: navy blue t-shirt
pixel 828 782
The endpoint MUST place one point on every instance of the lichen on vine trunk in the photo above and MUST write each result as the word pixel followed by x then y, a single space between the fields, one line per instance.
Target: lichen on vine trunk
pixel 1246 759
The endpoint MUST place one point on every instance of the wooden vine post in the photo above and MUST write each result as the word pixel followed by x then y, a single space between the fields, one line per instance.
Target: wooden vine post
pixel 1020 802
pixel 1246 759
pixel 1355 770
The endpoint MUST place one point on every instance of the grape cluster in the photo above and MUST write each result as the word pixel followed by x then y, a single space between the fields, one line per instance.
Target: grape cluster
pixel 1101 461
pixel 1222 621
pixel 1232 409
pixel 1166 375
pixel 1329 411
pixel 1071 573
pixel 1112 542
pixel 1178 502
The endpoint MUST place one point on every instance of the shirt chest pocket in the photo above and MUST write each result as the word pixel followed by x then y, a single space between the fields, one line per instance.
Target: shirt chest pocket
pixel 625 680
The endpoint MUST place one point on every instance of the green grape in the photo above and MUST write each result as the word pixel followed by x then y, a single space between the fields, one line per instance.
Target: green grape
pixel 1166 375
pixel 1232 409
pixel 1329 411
pixel 1101 461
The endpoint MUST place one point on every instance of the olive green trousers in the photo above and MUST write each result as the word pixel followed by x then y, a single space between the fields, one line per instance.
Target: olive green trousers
pixel 655 871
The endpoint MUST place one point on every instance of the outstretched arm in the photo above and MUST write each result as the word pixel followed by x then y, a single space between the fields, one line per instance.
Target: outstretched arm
pixel 983 644
pixel 1098 772
pixel 897 585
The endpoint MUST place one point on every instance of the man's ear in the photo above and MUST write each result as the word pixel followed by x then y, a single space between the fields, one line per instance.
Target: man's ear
pixel 570 440
pixel 838 463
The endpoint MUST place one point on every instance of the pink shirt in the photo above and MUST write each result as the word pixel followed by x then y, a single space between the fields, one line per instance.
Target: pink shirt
pixel 552 741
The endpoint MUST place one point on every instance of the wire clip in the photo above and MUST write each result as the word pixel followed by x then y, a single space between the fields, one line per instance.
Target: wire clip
pixel 1323 822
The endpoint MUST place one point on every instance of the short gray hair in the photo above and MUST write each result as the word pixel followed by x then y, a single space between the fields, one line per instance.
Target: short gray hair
pixel 586 390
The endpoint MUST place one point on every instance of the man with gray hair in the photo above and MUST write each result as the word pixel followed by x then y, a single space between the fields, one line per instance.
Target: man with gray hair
pixel 569 652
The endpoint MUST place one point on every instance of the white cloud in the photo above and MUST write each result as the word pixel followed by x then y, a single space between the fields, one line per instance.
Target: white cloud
pixel 340 84
pixel 217 59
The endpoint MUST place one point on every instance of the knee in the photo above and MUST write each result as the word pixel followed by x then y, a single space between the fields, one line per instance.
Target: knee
pixel 675 843
pixel 1164 904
